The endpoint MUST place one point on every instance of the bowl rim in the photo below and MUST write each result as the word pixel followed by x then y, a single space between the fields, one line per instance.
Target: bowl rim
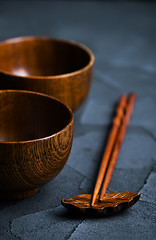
pixel 70 122
pixel 61 40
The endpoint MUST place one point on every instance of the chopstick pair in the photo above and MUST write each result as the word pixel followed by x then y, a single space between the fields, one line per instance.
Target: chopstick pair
pixel 116 136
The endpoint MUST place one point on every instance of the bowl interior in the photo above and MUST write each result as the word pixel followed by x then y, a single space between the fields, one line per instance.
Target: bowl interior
pixel 41 57
pixel 28 116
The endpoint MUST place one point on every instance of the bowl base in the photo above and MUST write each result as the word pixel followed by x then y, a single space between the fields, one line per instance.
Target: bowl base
pixel 17 195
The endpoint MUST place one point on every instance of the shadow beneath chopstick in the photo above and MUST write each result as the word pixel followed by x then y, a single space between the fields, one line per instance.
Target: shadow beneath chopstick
pixel 77 215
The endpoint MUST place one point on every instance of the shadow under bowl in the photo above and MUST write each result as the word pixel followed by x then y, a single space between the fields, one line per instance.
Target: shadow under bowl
pixel 36 133
pixel 57 67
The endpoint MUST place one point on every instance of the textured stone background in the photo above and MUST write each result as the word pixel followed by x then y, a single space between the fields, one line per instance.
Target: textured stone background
pixel 123 39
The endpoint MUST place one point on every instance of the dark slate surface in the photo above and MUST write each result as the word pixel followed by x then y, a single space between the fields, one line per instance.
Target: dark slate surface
pixel 123 39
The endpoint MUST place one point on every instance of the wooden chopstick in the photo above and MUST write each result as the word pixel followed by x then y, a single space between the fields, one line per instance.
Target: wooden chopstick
pixel 118 143
pixel 111 140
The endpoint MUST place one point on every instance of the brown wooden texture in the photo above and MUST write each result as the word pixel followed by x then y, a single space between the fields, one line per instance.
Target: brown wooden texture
pixel 111 203
pixel 36 133
pixel 118 143
pixel 56 67
pixel 111 140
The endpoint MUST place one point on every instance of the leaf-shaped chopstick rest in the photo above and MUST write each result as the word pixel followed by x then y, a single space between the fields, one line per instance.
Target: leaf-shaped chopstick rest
pixel 110 204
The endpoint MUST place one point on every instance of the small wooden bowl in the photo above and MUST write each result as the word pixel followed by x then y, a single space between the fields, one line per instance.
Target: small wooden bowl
pixel 59 68
pixel 36 133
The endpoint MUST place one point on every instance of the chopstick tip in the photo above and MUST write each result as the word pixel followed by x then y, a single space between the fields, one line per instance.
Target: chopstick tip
pixel 93 201
pixel 132 95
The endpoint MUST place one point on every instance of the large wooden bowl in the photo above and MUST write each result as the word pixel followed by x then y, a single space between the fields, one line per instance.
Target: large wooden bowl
pixel 36 133
pixel 59 68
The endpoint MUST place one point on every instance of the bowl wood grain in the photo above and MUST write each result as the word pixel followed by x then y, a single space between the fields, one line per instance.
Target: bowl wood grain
pixel 57 67
pixel 36 133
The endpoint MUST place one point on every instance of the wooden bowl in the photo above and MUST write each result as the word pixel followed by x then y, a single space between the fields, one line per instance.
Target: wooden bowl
pixel 36 133
pixel 59 68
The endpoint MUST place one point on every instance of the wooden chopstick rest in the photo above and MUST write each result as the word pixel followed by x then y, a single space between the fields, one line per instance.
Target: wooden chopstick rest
pixel 112 203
